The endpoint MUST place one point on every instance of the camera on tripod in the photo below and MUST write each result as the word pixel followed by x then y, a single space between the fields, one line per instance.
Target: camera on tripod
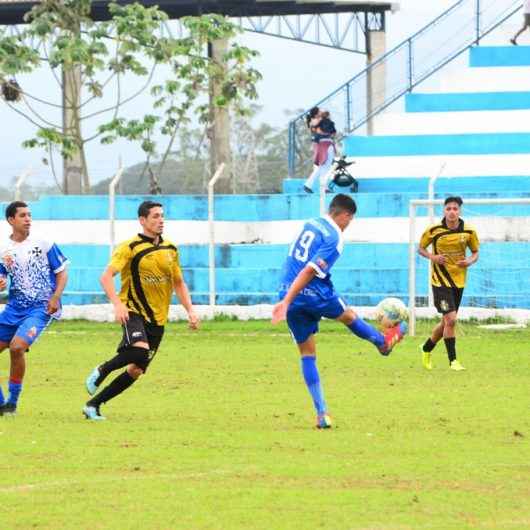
pixel 342 177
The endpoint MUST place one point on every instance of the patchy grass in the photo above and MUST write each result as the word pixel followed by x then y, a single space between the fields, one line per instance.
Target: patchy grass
pixel 219 435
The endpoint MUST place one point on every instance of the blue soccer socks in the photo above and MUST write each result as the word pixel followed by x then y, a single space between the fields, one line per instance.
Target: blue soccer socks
pixel 2 399
pixel 363 330
pixel 15 387
pixel 312 380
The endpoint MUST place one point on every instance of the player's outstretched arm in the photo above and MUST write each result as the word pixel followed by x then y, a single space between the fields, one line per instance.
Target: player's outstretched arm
pixel 120 311
pixel 279 311
pixel 183 294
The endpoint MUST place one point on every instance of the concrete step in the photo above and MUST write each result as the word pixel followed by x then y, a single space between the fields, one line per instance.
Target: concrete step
pixel 499 56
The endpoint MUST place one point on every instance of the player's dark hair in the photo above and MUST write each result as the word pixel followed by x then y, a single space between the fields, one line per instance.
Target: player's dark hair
pixel 145 208
pixel 342 203
pixel 458 201
pixel 11 209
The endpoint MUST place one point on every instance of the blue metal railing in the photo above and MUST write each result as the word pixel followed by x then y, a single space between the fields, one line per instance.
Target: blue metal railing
pixel 354 104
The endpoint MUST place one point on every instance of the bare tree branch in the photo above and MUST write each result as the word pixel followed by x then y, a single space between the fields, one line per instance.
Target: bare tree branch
pixel 52 167
pixel 168 150
pixel 91 98
pixel 47 55
pixel 29 118
pixel 136 94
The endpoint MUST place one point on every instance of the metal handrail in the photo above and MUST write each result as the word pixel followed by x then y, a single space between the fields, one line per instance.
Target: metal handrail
pixel 404 58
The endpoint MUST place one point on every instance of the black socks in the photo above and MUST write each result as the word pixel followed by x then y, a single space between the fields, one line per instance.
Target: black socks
pixel 117 386
pixel 450 345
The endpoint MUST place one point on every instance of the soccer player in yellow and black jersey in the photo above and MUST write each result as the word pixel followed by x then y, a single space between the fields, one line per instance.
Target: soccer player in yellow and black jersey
pixel 449 240
pixel 150 272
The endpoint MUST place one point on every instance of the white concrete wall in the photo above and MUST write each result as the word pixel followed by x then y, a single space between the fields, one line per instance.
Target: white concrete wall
pixel 427 166
pixel 502 121
pixel 104 313
pixel 368 230
pixel 483 79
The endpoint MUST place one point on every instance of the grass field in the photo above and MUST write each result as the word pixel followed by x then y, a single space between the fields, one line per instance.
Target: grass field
pixel 219 435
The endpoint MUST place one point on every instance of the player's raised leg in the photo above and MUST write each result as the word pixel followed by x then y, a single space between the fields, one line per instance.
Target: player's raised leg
pixel 383 342
pixel 136 358
pixel 100 373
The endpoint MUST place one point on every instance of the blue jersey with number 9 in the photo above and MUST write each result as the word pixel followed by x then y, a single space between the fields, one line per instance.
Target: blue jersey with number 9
pixel 319 245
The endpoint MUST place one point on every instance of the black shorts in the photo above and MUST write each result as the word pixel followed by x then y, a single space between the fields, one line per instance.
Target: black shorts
pixel 447 299
pixel 138 329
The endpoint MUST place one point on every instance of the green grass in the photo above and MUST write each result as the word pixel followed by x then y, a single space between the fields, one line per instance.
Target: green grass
pixel 219 435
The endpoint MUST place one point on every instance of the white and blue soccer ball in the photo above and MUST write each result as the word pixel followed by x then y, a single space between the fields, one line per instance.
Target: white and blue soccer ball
pixel 391 311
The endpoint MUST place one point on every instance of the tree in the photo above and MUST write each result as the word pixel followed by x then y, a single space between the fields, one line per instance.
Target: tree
pixel 259 154
pixel 91 60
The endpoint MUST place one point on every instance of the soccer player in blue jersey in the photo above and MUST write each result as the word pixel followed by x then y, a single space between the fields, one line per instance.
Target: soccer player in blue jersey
pixel 36 271
pixel 307 295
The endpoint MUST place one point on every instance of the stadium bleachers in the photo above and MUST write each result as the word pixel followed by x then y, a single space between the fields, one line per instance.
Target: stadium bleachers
pixel 480 137
pixel 248 274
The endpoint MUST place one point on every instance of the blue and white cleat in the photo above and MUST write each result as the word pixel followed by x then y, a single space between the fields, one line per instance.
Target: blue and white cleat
pixel 92 413
pixel 324 421
pixel 90 382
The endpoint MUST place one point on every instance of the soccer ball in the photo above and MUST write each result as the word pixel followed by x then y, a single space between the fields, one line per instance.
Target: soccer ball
pixel 391 311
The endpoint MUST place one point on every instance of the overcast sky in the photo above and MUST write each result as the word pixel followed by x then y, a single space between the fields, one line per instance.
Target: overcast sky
pixel 295 75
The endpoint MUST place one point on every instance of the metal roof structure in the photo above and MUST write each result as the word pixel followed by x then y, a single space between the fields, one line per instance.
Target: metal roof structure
pixel 13 11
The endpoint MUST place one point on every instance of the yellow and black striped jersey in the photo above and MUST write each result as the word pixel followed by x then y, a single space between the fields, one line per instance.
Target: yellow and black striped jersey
pixel 452 244
pixel 148 272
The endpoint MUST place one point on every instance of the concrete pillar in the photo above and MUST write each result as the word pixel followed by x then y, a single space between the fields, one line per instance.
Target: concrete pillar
pixel 220 150
pixel 376 78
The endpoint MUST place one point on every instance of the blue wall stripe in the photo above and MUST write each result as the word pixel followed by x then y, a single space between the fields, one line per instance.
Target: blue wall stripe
pixel 370 255
pixel 457 102
pixel 464 185
pixel 437 144
pixel 499 56
pixel 280 207
pixel 365 273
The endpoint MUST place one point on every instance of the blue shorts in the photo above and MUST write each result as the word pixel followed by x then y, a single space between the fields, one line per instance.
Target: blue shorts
pixel 305 313
pixel 27 324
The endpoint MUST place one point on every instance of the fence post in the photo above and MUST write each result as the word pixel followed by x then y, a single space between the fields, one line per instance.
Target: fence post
pixel 410 64
pixel 348 108
pixel 291 150
pixel 20 180
pixel 412 269
pixel 211 243
pixel 478 22
pixel 430 197
pixel 112 205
